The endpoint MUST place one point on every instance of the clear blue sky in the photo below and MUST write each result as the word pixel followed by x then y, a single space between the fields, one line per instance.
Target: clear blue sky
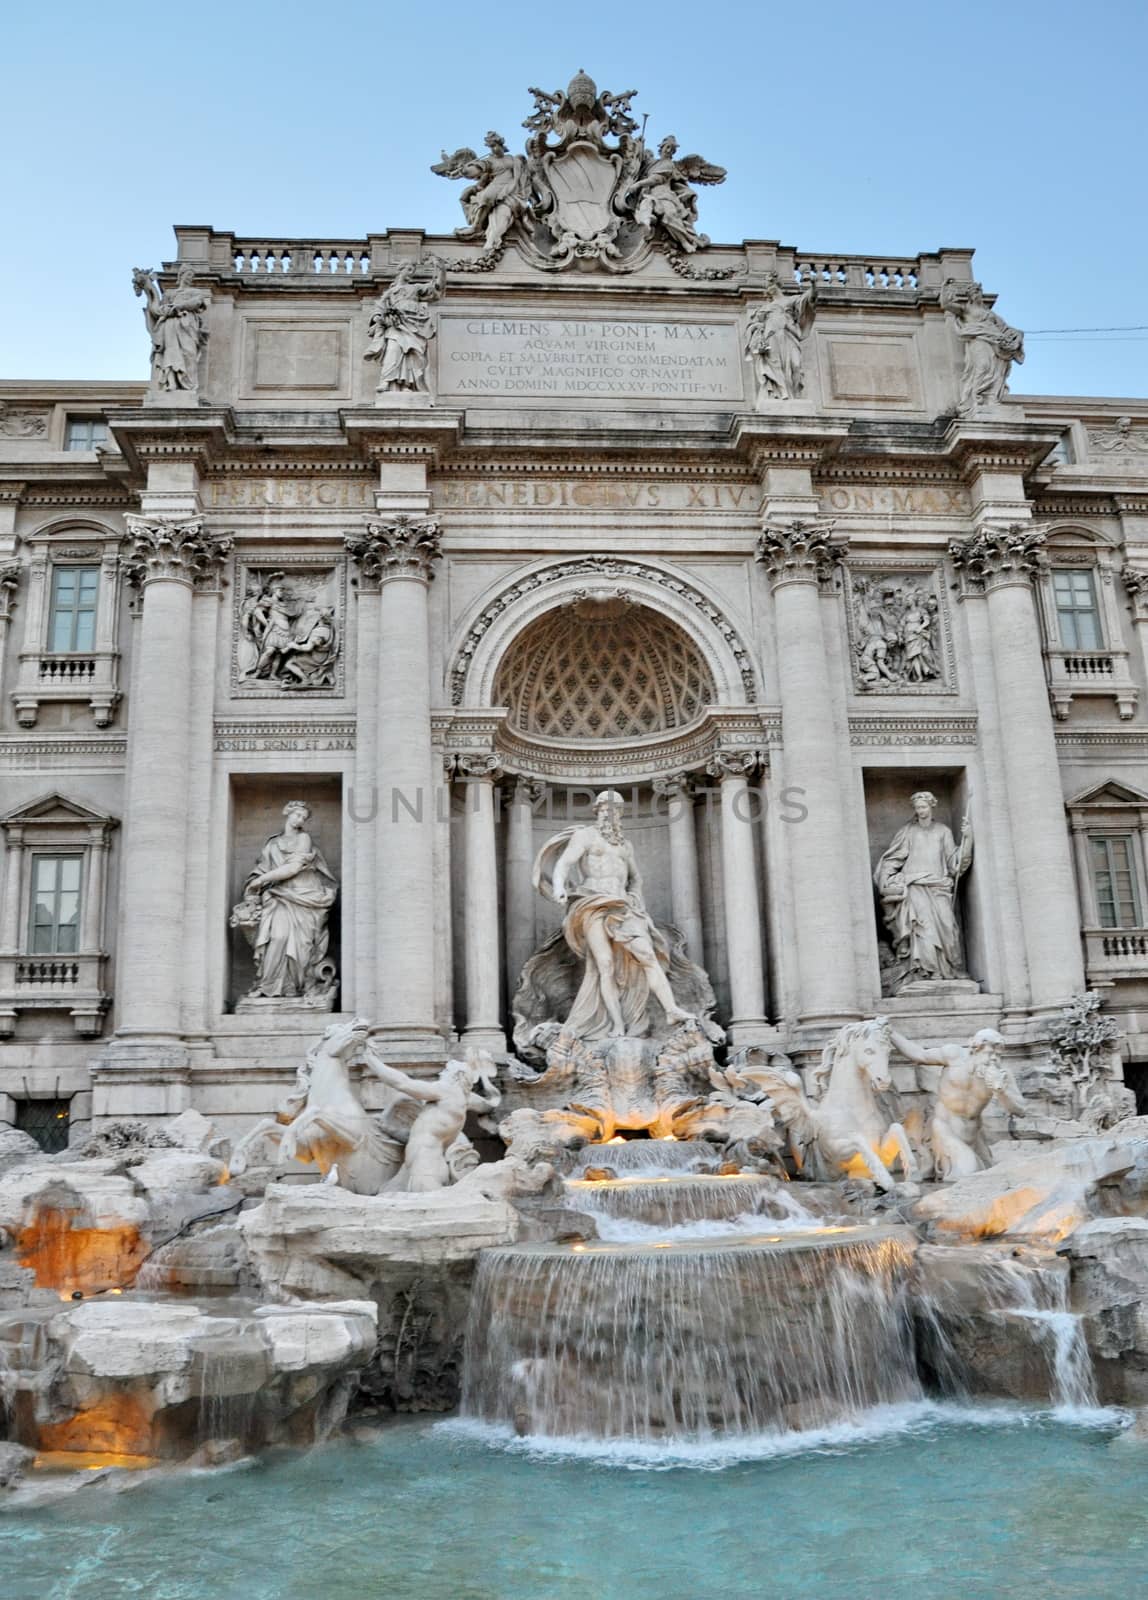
pixel 1016 127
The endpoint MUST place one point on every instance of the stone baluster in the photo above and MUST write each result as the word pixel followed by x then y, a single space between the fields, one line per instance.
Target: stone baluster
pixel 520 893
pixel 12 890
pixel 743 928
pixel 798 557
pixel 1002 562
pixel 168 559
pixel 480 905
pixel 399 556
pixel 685 893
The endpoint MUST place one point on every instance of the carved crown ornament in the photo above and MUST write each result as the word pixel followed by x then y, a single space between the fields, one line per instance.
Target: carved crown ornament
pixel 587 192
pixel 1135 580
pixel 9 584
pixel 183 552
pixel 404 547
pixel 1012 553
pixel 801 551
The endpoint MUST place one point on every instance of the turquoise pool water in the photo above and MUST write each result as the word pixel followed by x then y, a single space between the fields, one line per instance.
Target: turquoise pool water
pixel 920 1505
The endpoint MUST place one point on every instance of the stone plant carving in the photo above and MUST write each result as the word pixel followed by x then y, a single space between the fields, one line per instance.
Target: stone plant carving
pixel 288 634
pixel 774 338
pixel 177 322
pixel 991 346
pixel 845 1130
pixel 972 1076
pixel 896 644
pixel 283 913
pixel 917 878
pixel 1085 1064
pixel 402 326
pixel 588 189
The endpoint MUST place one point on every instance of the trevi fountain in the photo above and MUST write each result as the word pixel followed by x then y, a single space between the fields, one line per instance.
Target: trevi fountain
pixel 572 963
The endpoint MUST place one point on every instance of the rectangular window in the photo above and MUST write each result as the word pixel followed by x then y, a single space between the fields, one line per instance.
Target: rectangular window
pixel 55 920
pixel 85 433
pixel 72 625
pixel 1077 617
pixel 47 1121
pixel 1114 878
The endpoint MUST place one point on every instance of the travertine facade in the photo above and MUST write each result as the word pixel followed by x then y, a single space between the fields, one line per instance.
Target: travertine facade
pixel 437 537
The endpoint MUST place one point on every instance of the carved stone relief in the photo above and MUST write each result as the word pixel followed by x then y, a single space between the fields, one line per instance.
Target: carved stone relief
pixel 588 190
pixel 288 634
pixel 19 423
pixel 900 634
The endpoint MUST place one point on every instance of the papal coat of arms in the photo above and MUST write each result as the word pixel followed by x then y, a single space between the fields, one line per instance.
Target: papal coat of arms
pixel 588 190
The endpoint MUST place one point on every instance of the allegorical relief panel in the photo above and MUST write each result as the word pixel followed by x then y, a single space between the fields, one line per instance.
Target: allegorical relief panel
pixel 900 632
pixel 288 633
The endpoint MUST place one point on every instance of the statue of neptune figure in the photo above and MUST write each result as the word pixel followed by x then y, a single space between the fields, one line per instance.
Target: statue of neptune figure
pixel 593 871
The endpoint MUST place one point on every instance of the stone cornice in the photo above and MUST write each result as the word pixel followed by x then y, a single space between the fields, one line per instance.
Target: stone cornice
pixel 404 547
pixel 800 551
pixel 172 551
pixel 997 556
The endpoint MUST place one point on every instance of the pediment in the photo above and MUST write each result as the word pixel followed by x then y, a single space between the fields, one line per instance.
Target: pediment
pixel 1109 793
pixel 57 809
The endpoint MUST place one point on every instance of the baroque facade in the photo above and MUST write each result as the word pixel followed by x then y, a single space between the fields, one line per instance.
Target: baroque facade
pixel 411 545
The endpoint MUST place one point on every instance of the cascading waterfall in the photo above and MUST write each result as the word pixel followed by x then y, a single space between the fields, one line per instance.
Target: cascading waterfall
pixel 670 1201
pixel 650 1156
pixel 690 1341
pixel 1041 1299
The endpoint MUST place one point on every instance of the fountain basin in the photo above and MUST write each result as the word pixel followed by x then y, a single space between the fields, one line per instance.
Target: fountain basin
pixel 691 1339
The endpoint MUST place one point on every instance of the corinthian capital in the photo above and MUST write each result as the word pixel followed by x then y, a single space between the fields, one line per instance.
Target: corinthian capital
pixel 404 547
pixel 181 551
pixel 1006 554
pixel 801 552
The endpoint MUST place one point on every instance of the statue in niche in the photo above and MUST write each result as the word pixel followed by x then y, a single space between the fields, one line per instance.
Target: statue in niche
pixel 177 323
pixel 402 326
pixel 287 638
pixel 972 1076
pixel 593 870
pixel 498 195
pixel 917 879
pixel 774 337
pixel 897 634
pixel 991 346
pixel 283 913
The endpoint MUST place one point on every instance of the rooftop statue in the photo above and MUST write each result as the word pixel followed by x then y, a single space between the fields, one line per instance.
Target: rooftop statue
pixel 402 326
pixel 177 324
pixel 773 339
pixel 991 346
pixel 587 190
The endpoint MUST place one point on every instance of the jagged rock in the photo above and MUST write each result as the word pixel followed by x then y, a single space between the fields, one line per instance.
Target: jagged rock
pixel 18 1148
pixel 320 1240
pixel 156 1379
pixel 214 1258
pixel 1040 1196
pixel 15 1459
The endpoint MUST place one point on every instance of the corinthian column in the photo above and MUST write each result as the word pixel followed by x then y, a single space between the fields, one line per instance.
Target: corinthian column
pixel 168 559
pixel 480 905
pixel 798 556
pixel 684 892
pixel 399 556
pixel 520 894
pixel 739 895
pixel 1001 562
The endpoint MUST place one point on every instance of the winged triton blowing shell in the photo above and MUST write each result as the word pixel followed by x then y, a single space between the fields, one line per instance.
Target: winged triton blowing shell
pixel 587 191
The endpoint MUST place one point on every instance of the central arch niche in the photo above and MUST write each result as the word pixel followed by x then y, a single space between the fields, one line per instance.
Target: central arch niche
pixel 603 668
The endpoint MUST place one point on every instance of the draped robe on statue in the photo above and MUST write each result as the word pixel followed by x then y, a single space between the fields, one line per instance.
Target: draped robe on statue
pixel 624 919
pixel 292 937
pixel 916 878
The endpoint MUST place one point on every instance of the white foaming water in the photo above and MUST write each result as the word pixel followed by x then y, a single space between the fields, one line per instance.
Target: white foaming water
pixel 912 1418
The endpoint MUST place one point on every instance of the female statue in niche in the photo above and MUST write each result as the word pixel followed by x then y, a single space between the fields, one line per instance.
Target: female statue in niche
pixel 917 881
pixel 286 902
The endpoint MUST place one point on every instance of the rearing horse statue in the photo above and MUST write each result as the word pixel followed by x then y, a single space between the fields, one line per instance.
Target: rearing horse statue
pixel 845 1128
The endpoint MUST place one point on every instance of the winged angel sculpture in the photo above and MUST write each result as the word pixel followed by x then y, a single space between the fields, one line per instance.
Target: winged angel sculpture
pixel 588 190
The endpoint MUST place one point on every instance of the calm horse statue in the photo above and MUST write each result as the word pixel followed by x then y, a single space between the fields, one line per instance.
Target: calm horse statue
pixel 323 1122
pixel 845 1128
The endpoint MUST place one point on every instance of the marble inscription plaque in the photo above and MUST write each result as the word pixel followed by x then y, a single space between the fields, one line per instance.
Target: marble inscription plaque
pixel 588 359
